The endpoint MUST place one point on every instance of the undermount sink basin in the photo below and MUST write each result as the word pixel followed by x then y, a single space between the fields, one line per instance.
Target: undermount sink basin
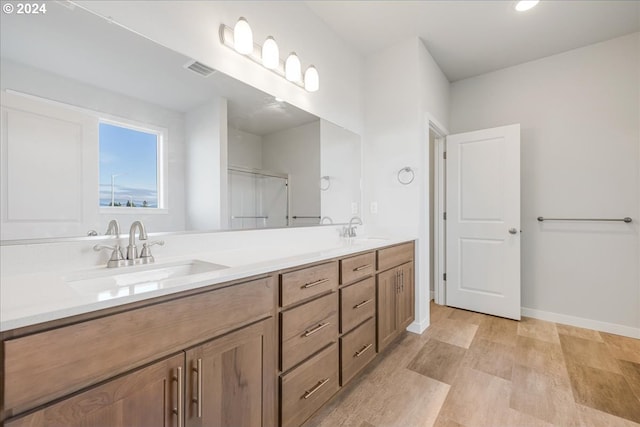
pixel 117 282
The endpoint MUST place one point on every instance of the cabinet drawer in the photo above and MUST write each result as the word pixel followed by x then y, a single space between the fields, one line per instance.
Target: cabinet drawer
pixel 395 255
pixel 145 397
pixel 358 266
pixel 357 349
pixel 308 328
pixel 302 284
pixel 357 303
pixel 44 366
pixel 308 387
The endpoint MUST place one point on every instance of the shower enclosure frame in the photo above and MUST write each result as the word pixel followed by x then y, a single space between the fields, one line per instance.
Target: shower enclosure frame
pixel 263 173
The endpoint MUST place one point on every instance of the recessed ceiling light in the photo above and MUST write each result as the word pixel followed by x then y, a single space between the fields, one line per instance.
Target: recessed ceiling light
pixel 279 99
pixel 523 5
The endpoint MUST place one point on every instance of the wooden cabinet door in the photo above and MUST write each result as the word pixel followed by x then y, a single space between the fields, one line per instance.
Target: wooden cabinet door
pixel 146 397
pixel 387 288
pixel 231 380
pixel 405 303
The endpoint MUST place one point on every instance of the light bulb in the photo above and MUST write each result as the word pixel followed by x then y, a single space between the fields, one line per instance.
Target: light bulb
pixel 242 37
pixel 292 68
pixel 523 5
pixel 270 53
pixel 311 79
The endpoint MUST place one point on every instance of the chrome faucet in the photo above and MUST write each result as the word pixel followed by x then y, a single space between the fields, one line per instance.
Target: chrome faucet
pixel 116 259
pixel 350 230
pixel 132 250
pixel 113 228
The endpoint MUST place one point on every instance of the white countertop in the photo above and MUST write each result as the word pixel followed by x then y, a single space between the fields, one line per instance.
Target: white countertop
pixel 29 299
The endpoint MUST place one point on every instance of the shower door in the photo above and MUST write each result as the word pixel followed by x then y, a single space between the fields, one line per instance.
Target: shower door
pixel 257 199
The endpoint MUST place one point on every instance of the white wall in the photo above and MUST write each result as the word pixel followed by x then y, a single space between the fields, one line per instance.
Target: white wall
pixel 244 149
pixel 99 103
pixel 579 115
pixel 296 151
pixel 192 29
pixel 435 90
pixel 397 100
pixel 206 166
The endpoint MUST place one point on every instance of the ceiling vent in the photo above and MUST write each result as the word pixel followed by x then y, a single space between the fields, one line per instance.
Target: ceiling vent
pixel 199 68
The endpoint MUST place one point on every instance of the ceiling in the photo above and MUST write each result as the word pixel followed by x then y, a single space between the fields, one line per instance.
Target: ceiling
pixel 468 38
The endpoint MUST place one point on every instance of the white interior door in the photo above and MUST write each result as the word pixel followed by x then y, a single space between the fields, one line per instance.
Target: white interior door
pixel 483 221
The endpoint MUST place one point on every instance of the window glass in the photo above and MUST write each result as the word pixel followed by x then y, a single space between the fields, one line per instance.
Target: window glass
pixel 128 167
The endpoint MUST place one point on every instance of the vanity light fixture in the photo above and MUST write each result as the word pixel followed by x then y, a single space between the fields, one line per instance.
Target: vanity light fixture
pixel 524 5
pixel 311 79
pixel 270 54
pixel 293 68
pixel 240 39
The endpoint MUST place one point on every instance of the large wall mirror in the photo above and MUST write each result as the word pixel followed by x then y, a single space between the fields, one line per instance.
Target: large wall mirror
pixel 101 123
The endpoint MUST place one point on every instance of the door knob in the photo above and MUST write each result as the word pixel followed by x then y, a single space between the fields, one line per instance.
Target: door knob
pixel 513 231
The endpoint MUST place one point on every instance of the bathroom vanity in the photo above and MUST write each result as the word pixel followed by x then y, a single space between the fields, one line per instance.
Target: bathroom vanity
pixel 263 349
pixel 267 338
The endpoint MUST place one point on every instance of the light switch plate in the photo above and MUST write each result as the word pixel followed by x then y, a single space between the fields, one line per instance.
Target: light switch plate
pixel 373 207
pixel 354 208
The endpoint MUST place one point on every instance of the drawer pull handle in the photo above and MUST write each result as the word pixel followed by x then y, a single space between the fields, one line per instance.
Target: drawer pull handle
pixel 316 329
pixel 178 410
pixel 309 393
pixel 363 303
pixel 316 283
pixel 362 267
pixel 198 399
pixel 361 352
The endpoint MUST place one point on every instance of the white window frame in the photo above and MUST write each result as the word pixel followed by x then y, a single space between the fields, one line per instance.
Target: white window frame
pixel 162 167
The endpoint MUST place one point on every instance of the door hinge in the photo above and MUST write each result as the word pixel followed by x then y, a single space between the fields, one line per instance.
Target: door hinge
pixel 444 277
pixel 444 216
pixel 444 155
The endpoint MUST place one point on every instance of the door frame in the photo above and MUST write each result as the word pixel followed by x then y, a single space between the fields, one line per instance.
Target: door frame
pixel 439 198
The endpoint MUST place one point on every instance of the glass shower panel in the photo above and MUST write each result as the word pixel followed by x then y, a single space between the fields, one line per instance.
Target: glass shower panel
pixel 257 199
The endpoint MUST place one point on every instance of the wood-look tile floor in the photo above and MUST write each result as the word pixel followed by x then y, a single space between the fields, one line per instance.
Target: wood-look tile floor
pixel 469 369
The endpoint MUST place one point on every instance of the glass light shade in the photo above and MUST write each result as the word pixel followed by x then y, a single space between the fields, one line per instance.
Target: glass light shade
pixel 242 37
pixel 523 5
pixel 292 68
pixel 270 54
pixel 311 79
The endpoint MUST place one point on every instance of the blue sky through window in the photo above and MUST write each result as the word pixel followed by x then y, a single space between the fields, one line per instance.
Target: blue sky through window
pixel 131 157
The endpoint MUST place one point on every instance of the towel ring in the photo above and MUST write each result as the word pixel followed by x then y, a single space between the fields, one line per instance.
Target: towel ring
pixel 325 183
pixel 406 170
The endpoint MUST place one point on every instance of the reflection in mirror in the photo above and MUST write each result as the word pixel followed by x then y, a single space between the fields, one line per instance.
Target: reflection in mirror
pixel 217 151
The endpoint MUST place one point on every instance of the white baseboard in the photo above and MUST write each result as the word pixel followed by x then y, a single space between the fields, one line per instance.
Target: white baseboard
pixel 432 295
pixel 613 328
pixel 418 327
